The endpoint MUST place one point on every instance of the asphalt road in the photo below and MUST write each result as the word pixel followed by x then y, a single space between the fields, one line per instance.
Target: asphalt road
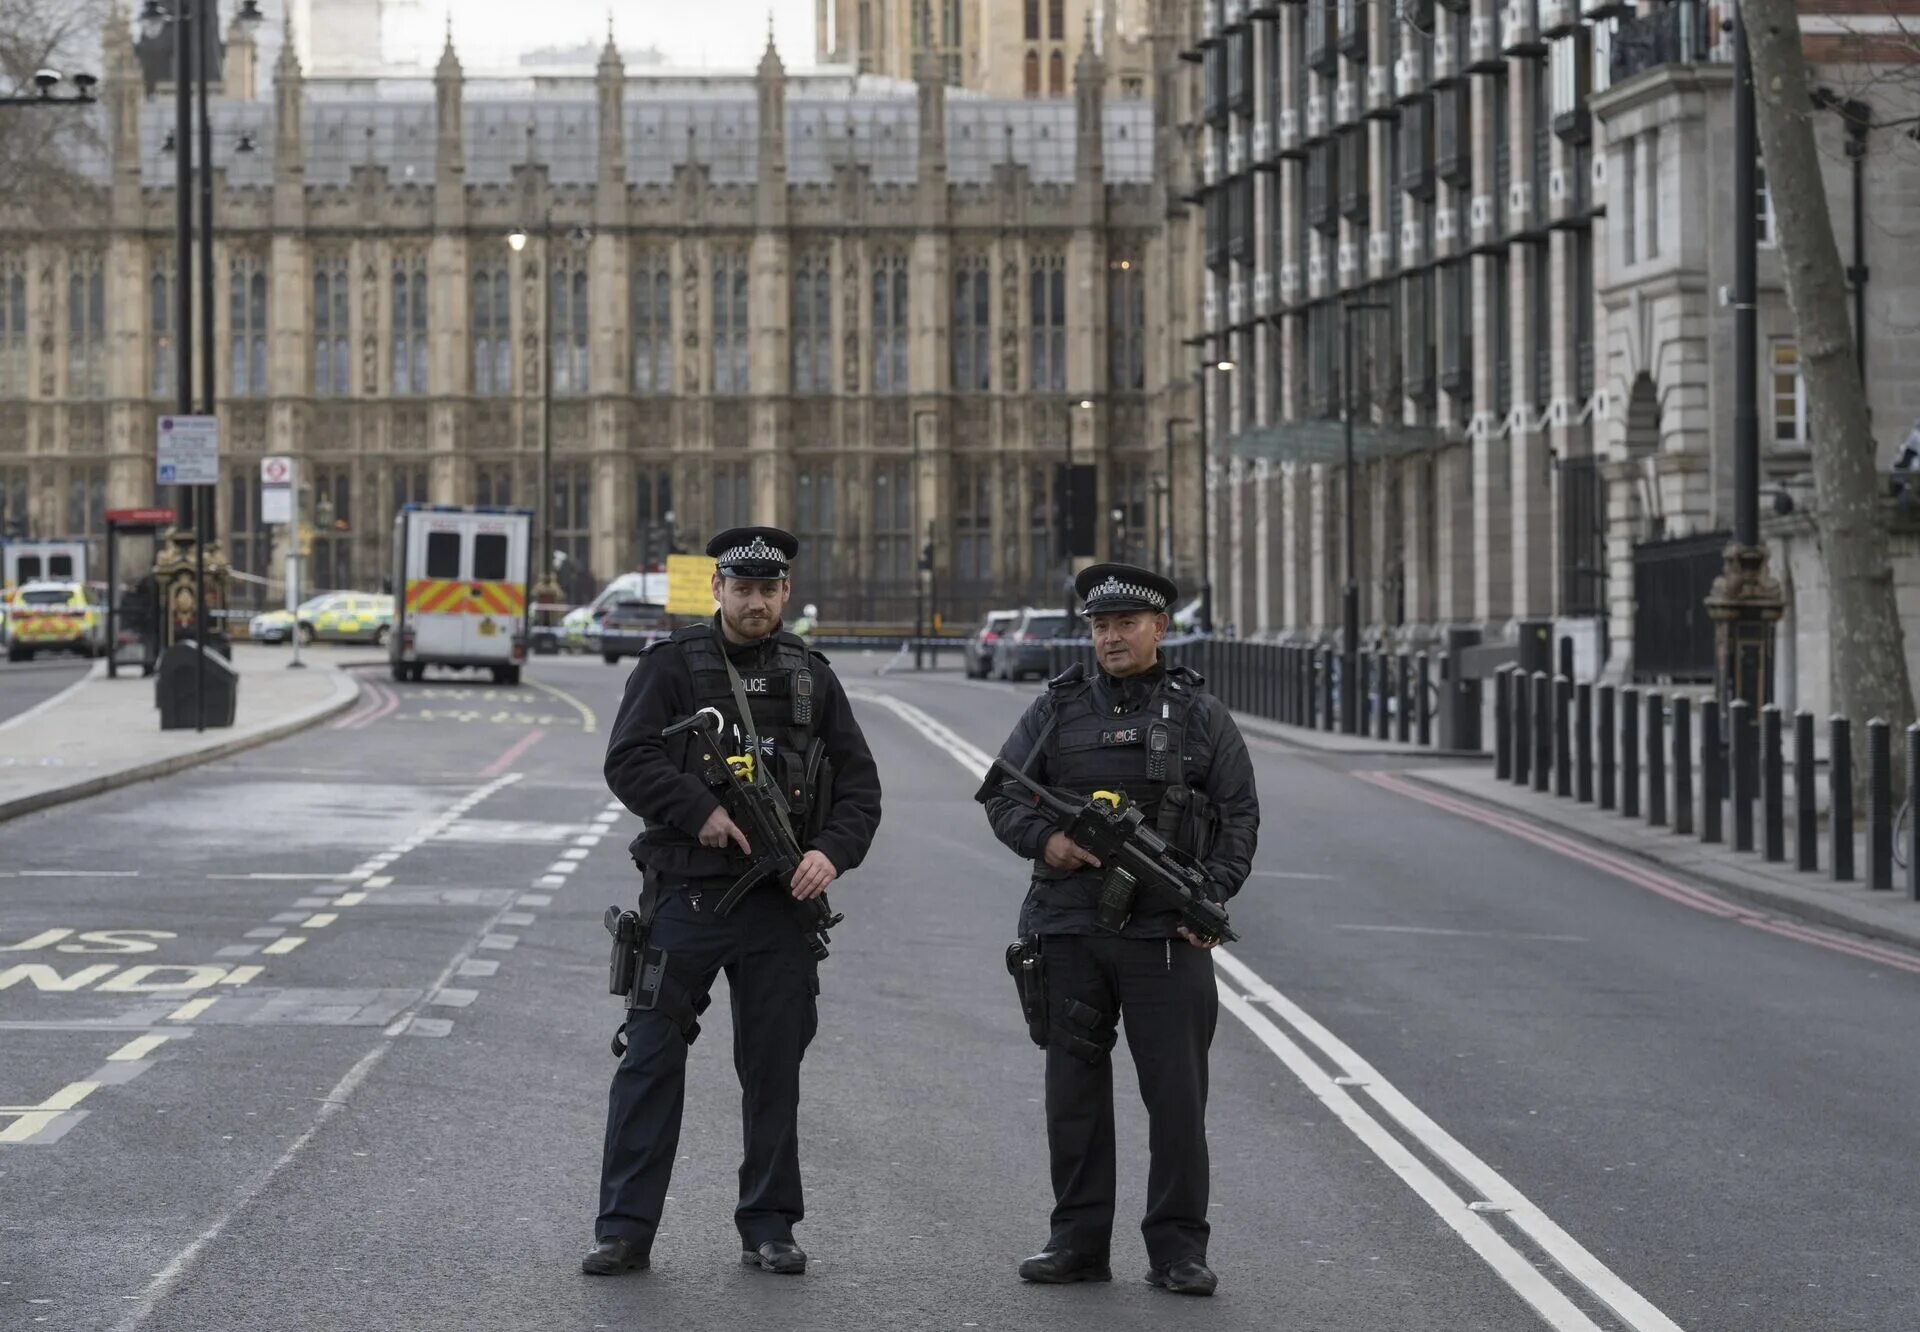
pixel 24 684
pixel 1671 1115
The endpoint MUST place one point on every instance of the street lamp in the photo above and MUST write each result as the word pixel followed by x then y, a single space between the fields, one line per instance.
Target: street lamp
pixel 548 590
pixel 923 569
pixel 44 83
pixel 1224 366
pixel 1167 520
pixel 1350 598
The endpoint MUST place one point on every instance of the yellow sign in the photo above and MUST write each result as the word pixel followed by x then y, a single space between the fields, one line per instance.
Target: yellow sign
pixel 690 585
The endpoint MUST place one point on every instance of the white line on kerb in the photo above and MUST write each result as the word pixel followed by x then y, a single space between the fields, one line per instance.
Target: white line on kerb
pixel 1483 1183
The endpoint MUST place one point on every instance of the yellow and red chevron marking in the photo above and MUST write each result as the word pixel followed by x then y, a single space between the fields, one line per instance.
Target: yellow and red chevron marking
pixel 48 625
pixel 453 597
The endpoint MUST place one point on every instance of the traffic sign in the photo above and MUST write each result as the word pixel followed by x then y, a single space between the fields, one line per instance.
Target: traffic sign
pixel 276 471
pixel 276 491
pixel 188 452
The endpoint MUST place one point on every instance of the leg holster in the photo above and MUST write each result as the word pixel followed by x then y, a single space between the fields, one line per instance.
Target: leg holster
pixel 1083 1031
pixel 639 971
pixel 1030 982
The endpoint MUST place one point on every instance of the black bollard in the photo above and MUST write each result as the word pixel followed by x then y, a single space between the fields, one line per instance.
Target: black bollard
pixel 1712 774
pixel 1522 730
pixel 1840 792
pixel 1583 742
pixel 1503 723
pixel 1773 795
pixel 1656 760
pixel 1913 824
pixel 1683 765
pixel 1630 752
pixel 1806 823
pixel 1562 738
pixel 1328 719
pixel 1879 806
pixel 1604 724
pixel 1383 720
pixel 1403 698
pixel 1422 684
pixel 1542 731
pixel 1740 731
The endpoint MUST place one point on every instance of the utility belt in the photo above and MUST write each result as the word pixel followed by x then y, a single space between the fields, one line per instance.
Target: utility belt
pixel 637 970
pixel 1080 1029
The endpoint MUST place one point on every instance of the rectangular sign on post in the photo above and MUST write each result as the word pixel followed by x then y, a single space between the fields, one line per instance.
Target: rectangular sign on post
pixel 690 585
pixel 276 491
pixel 188 453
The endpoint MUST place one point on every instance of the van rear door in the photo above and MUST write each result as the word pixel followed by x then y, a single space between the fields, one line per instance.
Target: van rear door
pixel 496 585
pixel 436 586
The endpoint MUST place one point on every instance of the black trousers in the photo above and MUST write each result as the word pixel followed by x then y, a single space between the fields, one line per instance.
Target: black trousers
pixel 1163 991
pixel 772 980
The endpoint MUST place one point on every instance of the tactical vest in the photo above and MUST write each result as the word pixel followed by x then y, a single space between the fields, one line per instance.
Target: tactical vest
pixel 779 694
pixel 1138 752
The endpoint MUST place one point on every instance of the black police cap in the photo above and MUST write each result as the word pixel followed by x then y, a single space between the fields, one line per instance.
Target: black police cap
pixel 1109 589
pixel 753 552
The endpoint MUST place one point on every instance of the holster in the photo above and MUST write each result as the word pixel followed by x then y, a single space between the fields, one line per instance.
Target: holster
pixel 1084 1032
pixel 1025 965
pixel 1188 820
pixel 637 971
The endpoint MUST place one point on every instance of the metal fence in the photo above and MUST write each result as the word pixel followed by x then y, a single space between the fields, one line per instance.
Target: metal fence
pixel 1672 633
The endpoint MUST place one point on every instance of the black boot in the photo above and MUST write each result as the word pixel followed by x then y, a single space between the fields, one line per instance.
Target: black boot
pixel 610 1257
pixel 781 1256
pixel 1184 1276
pixel 1058 1267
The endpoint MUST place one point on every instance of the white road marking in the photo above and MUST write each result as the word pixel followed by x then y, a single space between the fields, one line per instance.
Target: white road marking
pixel 137 1048
pixel 1463 934
pixel 449 997
pixel 264 932
pixel 241 975
pixel 500 942
pixel 237 950
pixel 192 1009
pixel 319 920
pixel 78 874
pixel 380 881
pixel 552 880
pixel 278 878
pixel 479 966
pixel 1484 1184
pixel 1294 874
pixel 289 917
pixel 563 867
pixel 517 918
pixel 349 899
pixel 534 900
pixel 282 946
pixel 575 853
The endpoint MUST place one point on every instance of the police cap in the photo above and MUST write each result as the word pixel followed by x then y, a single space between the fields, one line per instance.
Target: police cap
pixel 1110 589
pixel 753 552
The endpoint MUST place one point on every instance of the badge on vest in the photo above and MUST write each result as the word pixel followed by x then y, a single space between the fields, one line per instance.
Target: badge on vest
pixel 1128 736
pixel 755 684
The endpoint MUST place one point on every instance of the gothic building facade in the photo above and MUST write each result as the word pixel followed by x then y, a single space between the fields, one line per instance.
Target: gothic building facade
pixel 873 313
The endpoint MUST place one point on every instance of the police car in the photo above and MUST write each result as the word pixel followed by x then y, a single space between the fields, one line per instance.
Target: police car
pixel 50 617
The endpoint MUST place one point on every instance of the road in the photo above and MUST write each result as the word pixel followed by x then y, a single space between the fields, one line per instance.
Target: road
pixel 373 1093
pixel 25 684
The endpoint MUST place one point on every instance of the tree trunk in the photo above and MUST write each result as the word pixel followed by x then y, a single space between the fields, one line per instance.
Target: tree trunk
pixel 1868 653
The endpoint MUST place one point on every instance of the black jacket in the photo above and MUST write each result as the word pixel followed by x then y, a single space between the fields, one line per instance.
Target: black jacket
pixel 1215 761
pixel 651 778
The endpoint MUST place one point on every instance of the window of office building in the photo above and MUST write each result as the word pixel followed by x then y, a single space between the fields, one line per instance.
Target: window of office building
pixel 972 355
pixel 730 346
pixel 1031 78
pixel 1056 73
pixel 570 314
pixel 86 327
pixel 332 362
pixel 1650 193
pixel 1540 303
pixel 813 524
pixel 1500 328
pixel 247 326
pixel 650 296
pixel 492 331
pixel 1056 20
pixel 1789 392
pixel 890 325
pixel 1032 26
pixel 162 291
pixel 410 325
pixel 1763 219
pixel 1126 326
pixel 1047 322
pixel 1581 250
pixel 811 337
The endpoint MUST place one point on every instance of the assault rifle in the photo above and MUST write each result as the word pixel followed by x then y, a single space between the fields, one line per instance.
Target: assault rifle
pixel 758 807
pixel 1114 829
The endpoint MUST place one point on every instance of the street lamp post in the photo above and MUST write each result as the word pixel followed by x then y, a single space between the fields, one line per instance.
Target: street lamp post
pixel 1206 495
pixel 547 591
pixel 923 567
pixel 1350 596
pixel 1172 421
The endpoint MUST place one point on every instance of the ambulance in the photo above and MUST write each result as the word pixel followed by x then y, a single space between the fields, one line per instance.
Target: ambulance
pixel 32 561
pixel 461 576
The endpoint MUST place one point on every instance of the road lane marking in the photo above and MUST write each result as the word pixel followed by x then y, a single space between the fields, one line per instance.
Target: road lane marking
pixel 77 874
pixel 379 881
pixel 552 881
pixel 192 1009
pixel 280 947
pixel 563 867
pixel 33 1120
pixel 479 966
pixel 349 899
pixel 517 918
pixel 1295 874
pixel 449 997
pixel 319 920
pixel 534 900
pixel 237 950
pixel 500 942
pixel 138 1048
pixel 242 975
pixel 1465 934
pixel 514 751
pixel 277 878
pixel 575 853
pixel 1507 1262
pixel 588 723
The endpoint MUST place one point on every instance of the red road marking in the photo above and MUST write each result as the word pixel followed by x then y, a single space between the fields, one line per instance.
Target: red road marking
pixel 369 700
pixel 1640 876
pixel 520 746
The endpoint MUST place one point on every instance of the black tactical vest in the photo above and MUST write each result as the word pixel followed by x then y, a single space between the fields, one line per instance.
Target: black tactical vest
pixel 1137 752
pixel 779 693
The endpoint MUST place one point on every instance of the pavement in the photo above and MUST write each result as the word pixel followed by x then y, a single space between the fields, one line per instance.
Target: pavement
pixel 81 733
pixel 314 1036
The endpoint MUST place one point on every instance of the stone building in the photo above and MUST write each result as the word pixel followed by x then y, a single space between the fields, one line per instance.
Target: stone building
pixel 867 310
pixel 1004 48
pixel 1524 211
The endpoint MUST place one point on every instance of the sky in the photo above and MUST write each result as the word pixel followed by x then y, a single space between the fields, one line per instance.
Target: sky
pixel 720 33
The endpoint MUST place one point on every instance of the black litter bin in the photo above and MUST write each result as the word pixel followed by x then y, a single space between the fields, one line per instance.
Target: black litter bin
pixel 178 689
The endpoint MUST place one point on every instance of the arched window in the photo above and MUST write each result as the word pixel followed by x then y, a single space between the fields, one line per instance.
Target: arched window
pixel 1033 73
pixel 1033 20
pixel 1056 74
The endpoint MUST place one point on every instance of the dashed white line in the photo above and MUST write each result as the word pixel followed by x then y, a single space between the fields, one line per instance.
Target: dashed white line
pixel 517 918
pixel 137 1048
pixel 449 997
pixel 281 947
pixel 192 1009
pixel 346 900
pixel 319 920
pixel 534 900
pixel 479 966
pixel 500 942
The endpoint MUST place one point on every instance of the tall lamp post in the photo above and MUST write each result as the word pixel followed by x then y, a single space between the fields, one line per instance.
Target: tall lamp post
pixel 1350 596
pixel 1172 421
pixel 923 569
pixel 547 591
pixel 1225 367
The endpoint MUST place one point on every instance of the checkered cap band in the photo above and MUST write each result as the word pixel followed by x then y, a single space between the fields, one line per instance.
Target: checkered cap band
pixel 756 552
pixel 1113 588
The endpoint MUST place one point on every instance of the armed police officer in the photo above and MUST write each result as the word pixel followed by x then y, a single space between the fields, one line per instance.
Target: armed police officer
pixel 781 709
pixel 1146 733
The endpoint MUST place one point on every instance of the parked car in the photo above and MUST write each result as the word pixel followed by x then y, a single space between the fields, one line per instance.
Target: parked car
pixel 1022 650
pixel 347 617
pixel 276 626
pixel 51 617
pixel 977 657
pixel 629 626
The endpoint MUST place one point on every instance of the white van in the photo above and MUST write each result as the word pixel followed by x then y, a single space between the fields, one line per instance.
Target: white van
pixel 29 561
pixel 460 578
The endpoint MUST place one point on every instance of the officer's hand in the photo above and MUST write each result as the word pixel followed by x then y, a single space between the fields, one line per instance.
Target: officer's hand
pixel 813 876
pixel 719 827
pixel 1196 940
pixel 1063 853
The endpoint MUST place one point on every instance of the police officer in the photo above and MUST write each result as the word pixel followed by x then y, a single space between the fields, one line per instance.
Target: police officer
pixel 689 854
pixel 1136 726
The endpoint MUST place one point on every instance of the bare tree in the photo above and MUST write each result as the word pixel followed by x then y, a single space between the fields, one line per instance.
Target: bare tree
pixel 1868 654
pixel 42 149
